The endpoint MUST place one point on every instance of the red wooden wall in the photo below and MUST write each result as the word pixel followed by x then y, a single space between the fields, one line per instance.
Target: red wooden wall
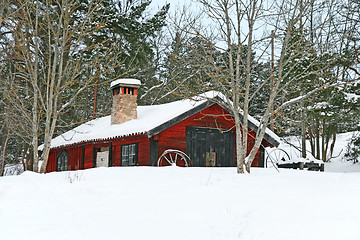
pixel 212 117
pixel 172 138
pixel 75 152
pixel 143 149
pixel 175 136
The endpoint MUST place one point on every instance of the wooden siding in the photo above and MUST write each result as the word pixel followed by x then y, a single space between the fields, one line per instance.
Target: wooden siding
pixel 174 137
pixel 212 117
pixel 143 149
pixel 76 152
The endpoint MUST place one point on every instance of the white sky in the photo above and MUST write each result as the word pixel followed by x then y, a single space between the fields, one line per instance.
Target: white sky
pixel 173 3
pixel 194 6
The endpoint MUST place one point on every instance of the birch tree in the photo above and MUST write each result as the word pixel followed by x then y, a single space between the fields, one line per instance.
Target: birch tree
pixel 4 75
pixel 327 112
pixel 236 23
pixel 49 41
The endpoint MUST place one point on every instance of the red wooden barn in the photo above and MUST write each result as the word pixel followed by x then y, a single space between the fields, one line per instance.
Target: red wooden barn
pixel 137 135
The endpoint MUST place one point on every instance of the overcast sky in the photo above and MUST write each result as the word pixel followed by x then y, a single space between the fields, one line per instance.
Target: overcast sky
pixel 194 6
pixel 174 4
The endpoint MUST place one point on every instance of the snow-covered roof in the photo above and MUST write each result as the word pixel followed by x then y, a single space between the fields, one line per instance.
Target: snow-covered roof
pixel 128 81
pixel 148 119
pixel 270 133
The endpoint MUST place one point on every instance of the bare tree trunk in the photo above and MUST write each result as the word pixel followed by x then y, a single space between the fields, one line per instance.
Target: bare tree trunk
pixel 330 134
pixel 323 142
pixel 240 163
pixel 3 154
pixel 324 157
pixel 312 140
pixel 251 16
pixel 303 131
pixel 35 132
pixel 30 160
pixel 317 139
pixel 23 157
pixel 272 78
pixel 47 142
pixel 95 97
pixel 34 80
pixel 332 146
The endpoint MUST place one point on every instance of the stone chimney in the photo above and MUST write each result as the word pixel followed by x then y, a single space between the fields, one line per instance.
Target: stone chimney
pixel 124 92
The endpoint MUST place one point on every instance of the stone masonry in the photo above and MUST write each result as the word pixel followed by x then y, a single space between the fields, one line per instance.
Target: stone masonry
pixel 124 106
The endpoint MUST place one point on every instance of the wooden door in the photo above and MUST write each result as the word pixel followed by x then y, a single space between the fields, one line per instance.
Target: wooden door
pixel 209 147
pixel 102 159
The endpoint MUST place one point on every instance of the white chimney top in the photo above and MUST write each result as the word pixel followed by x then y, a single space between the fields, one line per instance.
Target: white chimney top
pixel 125 81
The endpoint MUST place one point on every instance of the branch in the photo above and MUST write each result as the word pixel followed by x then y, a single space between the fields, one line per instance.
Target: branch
pixel 297 99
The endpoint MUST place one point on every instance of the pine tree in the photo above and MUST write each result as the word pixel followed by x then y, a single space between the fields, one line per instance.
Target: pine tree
pixel 186 70
pixel 128 32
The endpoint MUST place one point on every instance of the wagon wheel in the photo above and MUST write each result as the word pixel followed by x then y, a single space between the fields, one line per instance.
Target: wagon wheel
pixel 275 157
pixel 174 157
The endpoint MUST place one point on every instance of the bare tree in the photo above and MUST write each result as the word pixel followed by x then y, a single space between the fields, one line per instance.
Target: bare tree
pixel 49 42
pixel 4 130
pixel 237 24
pixel 327 29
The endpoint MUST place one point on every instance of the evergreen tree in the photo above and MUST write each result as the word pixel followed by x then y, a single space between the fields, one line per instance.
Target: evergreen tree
pixel 320 116
pixel 128 32
pixel 353 148
pixel 194 65
pixel 301 77
pixel 187 68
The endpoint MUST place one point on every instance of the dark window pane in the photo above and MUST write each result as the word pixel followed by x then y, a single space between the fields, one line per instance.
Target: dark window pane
pixel 62 161
pixel 125 150
pixel 128 156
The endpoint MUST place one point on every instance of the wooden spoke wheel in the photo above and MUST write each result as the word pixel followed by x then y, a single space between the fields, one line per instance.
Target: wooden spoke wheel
pixel 275 157
pixel 174 157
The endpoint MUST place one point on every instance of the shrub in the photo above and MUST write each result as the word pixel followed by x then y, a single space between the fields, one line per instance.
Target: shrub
pixel 353 148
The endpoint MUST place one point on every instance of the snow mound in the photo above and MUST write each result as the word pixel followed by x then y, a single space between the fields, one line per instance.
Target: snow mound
pixel 180 203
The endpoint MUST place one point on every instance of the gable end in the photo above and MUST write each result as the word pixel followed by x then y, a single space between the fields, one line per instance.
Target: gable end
pixel 179 118
pixel 199 108
pixel 254 127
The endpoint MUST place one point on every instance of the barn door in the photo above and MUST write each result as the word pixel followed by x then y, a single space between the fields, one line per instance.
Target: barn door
pixel 208 147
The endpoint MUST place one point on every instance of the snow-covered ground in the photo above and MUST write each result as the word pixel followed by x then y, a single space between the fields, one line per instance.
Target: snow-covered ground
pixel 337 162
pixel 183 203
pixel 180 203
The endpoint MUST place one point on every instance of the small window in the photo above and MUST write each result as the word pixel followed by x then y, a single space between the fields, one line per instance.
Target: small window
pixel 62 161
pixel 129 155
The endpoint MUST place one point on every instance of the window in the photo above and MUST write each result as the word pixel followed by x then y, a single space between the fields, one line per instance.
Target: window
pixel 129 155
pixel 62 161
